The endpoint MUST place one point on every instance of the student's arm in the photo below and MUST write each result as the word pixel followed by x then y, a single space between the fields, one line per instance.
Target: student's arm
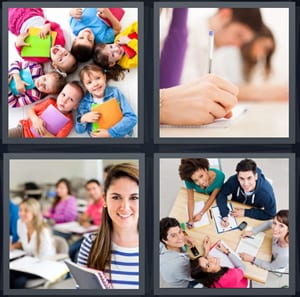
pixel 81 124
pixel 84 220
pixel 60 38
pixel 37 122
pixel 106 13
pixel 16 245
pixel 237 262
pixel 222 199
pixel 128 121
pixel 265 92
pixel 84 251
pixel 281 261
pixel 47 244
pixel 190 205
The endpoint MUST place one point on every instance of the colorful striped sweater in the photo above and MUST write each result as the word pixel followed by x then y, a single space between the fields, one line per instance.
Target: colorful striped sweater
pixel 124 270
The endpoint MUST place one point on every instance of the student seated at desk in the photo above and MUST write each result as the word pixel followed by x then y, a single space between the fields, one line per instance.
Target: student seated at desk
pixel 208 271
pixel 93 214
pixel 198 176
pixel 280 243
pixel 34 238
pixel 174 262
pixel 115 249
pixel 64 207
pixel 249 186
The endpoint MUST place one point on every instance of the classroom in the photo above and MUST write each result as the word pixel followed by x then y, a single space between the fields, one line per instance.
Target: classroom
pixel 66 199
pixel 174 203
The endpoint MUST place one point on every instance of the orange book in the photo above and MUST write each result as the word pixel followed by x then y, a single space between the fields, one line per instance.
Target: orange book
pixel 110 114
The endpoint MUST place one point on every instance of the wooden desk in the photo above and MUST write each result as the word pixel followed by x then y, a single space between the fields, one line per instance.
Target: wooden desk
pixel 262 119
pixel 232 238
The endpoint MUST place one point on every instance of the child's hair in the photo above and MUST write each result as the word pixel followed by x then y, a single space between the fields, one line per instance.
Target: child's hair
pixel 100 253
pixel 38 222
pixel 206 278
pixel 60 81
pixel 282 216
pixel 82 53
pixel 87 69
pixel 165 224
pixel 188 166
pixel 116 71
pixel 249 61
pixel 246 165
pixel 69 70
pixel 57 198
pixel 76 84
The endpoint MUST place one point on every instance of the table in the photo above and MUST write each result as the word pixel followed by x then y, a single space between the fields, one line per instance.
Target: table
pixel 232 238
pixel 262 119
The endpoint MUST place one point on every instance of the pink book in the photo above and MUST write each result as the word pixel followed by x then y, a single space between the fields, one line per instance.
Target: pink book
pixel 54 120
pixel 118 12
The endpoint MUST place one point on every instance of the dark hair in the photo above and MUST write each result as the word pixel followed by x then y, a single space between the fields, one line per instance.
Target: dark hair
pixel 282 216
pixel 250 17
pixel 68 185
pixel 249 61
pixel 108 167
pixel 206 278
pixel 165 224
pixel 93 180
pixel 100 253
pixel 76 84
pixel 116 72
pixel 60 81
pixel 82 53
pixel 246 165
pixel 188 166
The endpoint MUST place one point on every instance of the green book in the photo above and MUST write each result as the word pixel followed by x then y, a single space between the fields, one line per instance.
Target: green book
pixel 38 47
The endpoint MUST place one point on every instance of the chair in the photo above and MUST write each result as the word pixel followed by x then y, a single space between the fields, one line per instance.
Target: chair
pixel 62 253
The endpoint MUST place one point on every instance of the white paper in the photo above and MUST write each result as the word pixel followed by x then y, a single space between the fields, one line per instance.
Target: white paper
pixel 16 253
pixel 217 218
pixel 74 227
pixel 251 245
pixel 204 220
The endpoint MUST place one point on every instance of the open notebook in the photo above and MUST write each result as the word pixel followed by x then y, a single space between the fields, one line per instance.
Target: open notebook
pixel 251 245
pixel 87 278
pixel 205 220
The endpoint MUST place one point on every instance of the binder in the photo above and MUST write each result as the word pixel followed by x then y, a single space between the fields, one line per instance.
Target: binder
pixel 118 12
pixel 25 76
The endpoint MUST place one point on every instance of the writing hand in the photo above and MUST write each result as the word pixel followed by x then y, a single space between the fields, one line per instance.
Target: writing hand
pixel 238 212
pixel 225 222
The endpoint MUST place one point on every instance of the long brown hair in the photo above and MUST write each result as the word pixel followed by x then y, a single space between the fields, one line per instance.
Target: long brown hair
pixel 282 216
pixel 38 222
pixel 58 198
pixel 249 61
pixel 100 253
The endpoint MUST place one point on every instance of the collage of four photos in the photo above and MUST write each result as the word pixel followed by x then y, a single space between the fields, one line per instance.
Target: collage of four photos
pixel 222 74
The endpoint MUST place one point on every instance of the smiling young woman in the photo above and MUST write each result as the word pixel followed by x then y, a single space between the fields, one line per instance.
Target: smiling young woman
pixel 115 248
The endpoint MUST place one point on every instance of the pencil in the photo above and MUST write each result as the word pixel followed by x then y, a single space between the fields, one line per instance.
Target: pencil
pixel 211 49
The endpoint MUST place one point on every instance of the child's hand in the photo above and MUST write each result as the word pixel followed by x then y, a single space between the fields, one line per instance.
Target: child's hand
pixel 21 86
pixel 45 31
pixel 76 13
pixel 221 247
pixel 47 133
pixel 102 133
pixel 21 40
pixel 246 257
pixel 197 217
pixel 104 12
pixel 206 244
pixel 123 40
pixel 90 117
pixel 38 125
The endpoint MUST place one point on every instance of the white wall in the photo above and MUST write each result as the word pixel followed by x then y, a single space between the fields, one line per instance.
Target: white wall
pixel 275 169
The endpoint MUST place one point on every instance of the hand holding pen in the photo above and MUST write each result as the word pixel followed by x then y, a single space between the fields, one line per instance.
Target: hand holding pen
pixel 248 234
pixel 224 222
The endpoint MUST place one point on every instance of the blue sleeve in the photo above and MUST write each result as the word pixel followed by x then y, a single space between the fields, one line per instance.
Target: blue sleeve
pixel 128 121
pixel 13 219
pixel 222 197
pixel 268 211
pixel 106 36
pixel 83 108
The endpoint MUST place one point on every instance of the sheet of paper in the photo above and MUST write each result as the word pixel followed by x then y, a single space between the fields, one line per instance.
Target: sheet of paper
pixel 74 227
pixel 205 220
pixel 251 245
pixel 217 219
pixel 16 253
pixel 224 259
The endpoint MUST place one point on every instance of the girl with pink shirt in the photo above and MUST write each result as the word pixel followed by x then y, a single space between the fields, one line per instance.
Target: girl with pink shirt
pixel 64 207
pixel 208 271
pixel 21 19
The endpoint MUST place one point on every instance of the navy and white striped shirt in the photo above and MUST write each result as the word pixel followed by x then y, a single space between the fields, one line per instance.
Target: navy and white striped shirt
pixel 124 268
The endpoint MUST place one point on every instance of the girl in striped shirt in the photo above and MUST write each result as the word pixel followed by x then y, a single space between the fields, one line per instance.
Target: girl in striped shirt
pixel 115 248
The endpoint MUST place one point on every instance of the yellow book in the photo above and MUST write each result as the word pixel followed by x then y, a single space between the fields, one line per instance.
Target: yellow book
pixel 110 114
pixel 36 31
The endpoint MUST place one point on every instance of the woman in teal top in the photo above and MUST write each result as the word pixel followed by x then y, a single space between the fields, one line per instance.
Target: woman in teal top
pixel 199 177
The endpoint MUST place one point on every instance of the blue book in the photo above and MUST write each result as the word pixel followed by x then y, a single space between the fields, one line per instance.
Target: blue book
pixel 25 76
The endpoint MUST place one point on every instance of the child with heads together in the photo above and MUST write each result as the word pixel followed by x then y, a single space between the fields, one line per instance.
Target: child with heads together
pixel 34 85
pixel 120 55
pixel 94 79
pixel 20 20
pixel 67 100
pixel 89 29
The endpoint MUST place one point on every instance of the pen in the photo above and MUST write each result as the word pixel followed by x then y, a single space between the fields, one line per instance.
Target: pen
pixel 211 49
pixel 250 237
pixel 210 213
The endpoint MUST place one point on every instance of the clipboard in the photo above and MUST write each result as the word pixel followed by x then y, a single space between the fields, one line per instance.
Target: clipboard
pixel 217 219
